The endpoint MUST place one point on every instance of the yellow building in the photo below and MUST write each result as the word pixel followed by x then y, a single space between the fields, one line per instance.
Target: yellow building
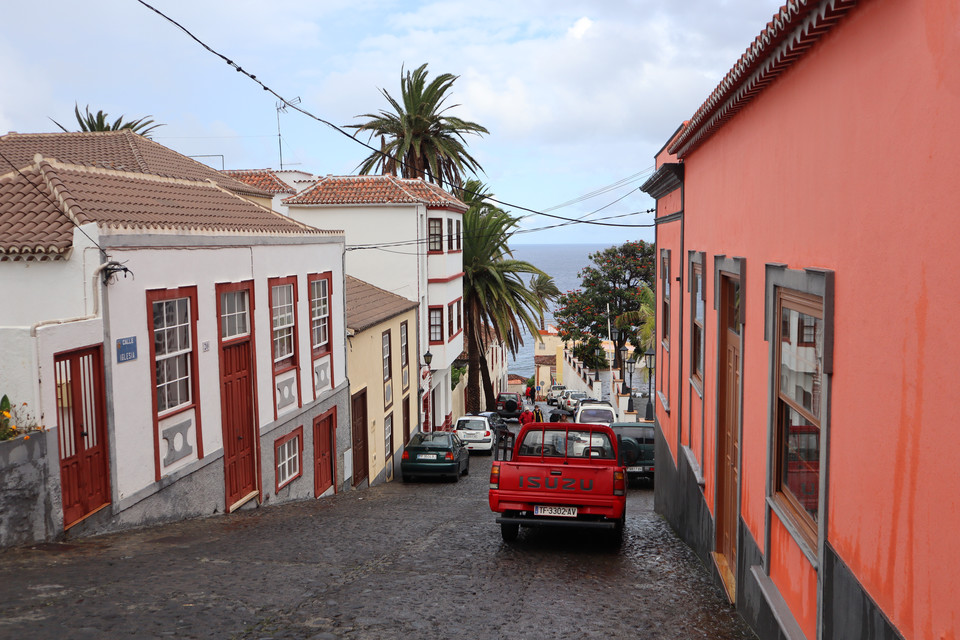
pixel 382 369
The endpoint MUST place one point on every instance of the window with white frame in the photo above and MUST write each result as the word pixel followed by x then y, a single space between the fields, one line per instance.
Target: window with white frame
pixel 404 355
pixel 387 369
pixel 388 435
pixel 288 451
pixel 234 314
pixel 173 349
pixel 436 324
pixel 320 314
pixel 283 313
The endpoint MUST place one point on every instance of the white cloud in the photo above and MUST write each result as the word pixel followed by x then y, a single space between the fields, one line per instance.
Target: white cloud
pixel 579 28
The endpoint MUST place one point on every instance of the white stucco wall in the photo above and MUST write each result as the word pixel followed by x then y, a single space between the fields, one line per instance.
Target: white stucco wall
pixel 204 267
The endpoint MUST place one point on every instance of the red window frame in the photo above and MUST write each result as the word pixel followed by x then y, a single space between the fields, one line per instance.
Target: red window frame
pixel 451 243
pixel 431 324
pixel 316 349
pixel 159 295
pixel 451 312
pixel 298 434
pixel 386 356
pixel 291 361
pixel 454 321
pixel 459 236
pixel 434 235
pixel 405 353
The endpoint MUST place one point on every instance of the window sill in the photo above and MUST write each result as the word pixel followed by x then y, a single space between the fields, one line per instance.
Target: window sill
pixel 439 342
pixel 169 413
pixel 319 353
pixel 287 482
pixel 789 521
pixel 435 253
pixel 283 369
pixel 663 401
pixel 458 332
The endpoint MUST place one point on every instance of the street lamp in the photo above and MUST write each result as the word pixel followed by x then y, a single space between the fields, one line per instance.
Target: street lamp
pixel 599 353
pixel 631 365
pixel 427 358
pixel 651 359
pixel 623 361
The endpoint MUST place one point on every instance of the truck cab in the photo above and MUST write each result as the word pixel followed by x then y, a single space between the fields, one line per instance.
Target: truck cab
pixel 559 475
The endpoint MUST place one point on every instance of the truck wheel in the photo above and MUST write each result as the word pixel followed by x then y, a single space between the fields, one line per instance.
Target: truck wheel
pixel 616 536
pixel 509 532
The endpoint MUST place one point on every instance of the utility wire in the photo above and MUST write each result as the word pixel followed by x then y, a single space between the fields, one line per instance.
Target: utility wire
pixel 338 129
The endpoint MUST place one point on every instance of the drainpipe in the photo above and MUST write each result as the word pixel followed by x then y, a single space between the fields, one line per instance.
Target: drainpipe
pixel 96 302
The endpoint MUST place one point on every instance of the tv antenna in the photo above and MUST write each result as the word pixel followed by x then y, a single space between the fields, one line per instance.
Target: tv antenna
pixel 282 106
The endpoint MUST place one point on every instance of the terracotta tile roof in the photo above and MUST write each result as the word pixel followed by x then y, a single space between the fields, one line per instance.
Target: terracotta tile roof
pixel 513 377
pixel 121 150
pixel 263 179
pixel 333 190
pixel 42 202
pixel 368 305
pixel 545 360
pixel 793 30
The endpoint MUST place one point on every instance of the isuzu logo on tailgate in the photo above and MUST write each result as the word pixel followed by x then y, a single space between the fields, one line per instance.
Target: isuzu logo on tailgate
pixel 568 484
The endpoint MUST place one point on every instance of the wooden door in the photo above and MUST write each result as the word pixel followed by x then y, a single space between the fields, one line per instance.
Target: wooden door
pixel 728 445
pixel 81 422
pixel 358 412
pixel 237 404
pixel 406 420
pixel 323 440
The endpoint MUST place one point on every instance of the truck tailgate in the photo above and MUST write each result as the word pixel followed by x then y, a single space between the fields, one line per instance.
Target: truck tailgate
pixel 570 483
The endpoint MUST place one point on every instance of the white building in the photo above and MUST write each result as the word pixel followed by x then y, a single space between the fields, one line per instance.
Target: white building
pixel 184 346
pixel 404 236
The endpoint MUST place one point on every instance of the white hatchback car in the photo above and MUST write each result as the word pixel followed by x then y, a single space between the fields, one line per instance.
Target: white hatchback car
pixel 476 433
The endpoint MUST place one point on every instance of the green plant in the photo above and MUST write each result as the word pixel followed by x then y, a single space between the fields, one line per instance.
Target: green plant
pixel 455 376
pixel 16 420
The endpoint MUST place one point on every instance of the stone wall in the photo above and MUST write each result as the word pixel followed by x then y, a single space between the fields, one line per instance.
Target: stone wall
pixel 29 491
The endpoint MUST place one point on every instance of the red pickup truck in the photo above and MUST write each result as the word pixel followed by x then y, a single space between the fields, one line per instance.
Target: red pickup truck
pixel 559 474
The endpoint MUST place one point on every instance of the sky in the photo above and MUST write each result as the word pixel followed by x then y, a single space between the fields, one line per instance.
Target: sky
pixel 577 96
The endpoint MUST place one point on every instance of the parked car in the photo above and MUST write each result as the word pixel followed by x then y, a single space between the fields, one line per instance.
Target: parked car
pixel 592 411
pixel 638 436
pixel 555 392
pixel 476 432
pixel 570 401
pixel 439 453
pixel 509 404
pixel 498 424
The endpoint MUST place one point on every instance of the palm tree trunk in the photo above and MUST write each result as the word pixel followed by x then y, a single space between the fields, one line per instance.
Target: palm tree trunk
pixel 487 383
pixel 472 397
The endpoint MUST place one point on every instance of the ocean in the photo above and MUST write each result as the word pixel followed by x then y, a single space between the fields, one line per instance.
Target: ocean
pixel 561 261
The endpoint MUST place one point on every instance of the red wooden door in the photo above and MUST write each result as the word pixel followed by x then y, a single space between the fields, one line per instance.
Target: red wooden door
pixel 84 455
pixel 239 436
pixel 358 414
pixel 728 447
pixel 323 453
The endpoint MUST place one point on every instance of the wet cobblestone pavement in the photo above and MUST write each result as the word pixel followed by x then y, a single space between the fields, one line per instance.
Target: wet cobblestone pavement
pixel 417 560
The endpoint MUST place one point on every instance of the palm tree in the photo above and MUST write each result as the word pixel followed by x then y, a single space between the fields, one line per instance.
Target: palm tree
pixel 416 138
pixel 494 292
pixel 100 122
pixel 645 317
pixel 546 289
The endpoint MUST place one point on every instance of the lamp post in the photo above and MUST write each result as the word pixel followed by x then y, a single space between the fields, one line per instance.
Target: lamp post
pixel 427 401
pixel 651 359
pixel 623 362
pixel 631 365
pixel 600 354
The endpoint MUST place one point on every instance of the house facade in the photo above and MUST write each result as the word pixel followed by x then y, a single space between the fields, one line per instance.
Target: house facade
pixel 183 345
pixel 404 236
pixel 381 327
pixel 801 409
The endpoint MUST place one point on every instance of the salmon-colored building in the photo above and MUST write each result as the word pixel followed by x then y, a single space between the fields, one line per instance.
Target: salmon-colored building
pixel 808 303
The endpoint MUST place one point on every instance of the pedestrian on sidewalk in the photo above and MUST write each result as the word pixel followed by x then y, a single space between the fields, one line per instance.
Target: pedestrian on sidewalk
pixel 526 417
pixel 537 414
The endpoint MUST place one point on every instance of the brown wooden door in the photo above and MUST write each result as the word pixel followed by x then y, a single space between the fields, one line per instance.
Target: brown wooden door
pixel 323 453
pixel 81 421
pixel 358 406
pixel 406 420
pixel 728 446
pixel 239 434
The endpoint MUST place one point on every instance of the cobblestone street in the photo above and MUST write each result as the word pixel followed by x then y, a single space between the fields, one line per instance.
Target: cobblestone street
pixel 417 560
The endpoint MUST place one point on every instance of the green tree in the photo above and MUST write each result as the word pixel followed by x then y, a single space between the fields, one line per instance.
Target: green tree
pixel 645 318
pixel 494 292
pixel 616 278
pixel 546 289
pixel 101 122
pixel 417 139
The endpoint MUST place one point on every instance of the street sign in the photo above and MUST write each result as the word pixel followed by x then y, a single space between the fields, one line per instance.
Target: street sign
pixel 126 349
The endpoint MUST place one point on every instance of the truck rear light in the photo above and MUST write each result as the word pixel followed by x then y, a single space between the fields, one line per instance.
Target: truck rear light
pixel 495 476
pixel 619 486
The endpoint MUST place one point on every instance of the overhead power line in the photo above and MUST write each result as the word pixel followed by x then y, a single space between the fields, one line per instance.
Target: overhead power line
pixel 291 105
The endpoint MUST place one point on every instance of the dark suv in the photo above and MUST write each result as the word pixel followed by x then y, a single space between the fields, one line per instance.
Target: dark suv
pixel 509 405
